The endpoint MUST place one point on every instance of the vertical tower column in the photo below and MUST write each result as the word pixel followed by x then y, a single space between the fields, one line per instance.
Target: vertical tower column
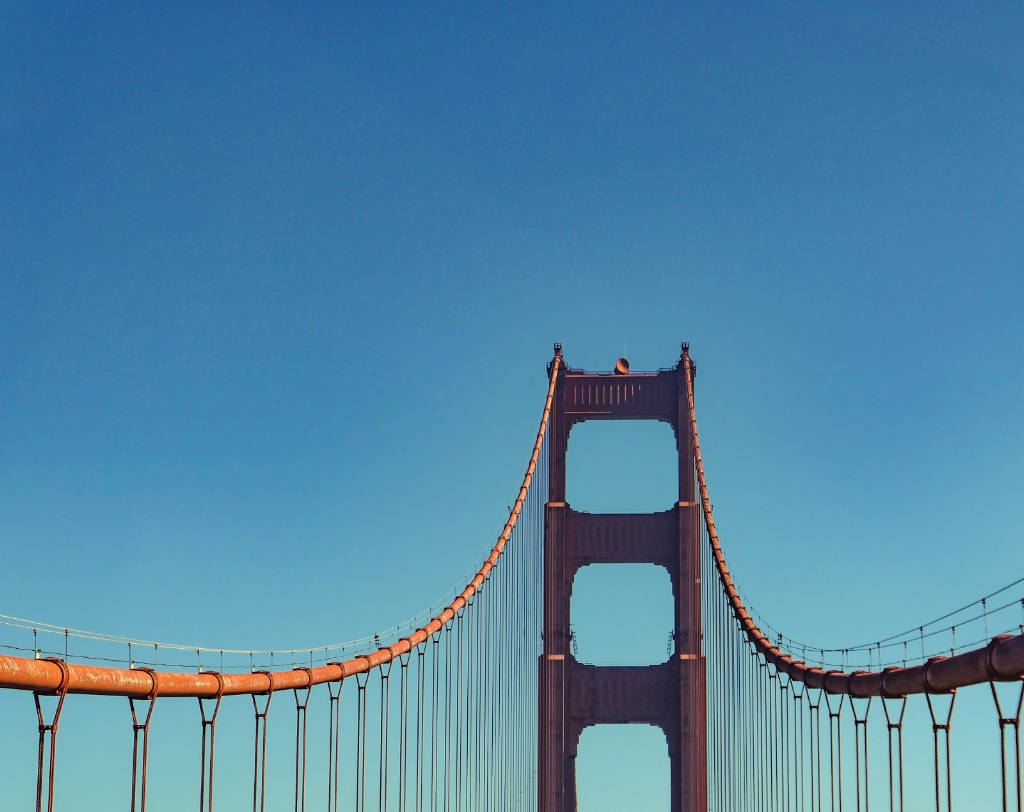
pixel 574 696
pixel 554 760
pixel 689 767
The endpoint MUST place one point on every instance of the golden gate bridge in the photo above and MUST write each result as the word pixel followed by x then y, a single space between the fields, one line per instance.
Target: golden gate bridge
pixel 481 705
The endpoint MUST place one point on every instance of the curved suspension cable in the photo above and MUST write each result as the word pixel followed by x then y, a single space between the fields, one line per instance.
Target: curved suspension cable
pixel 319 653
pixel 915 634
pixel 1001 659
pixel 48 675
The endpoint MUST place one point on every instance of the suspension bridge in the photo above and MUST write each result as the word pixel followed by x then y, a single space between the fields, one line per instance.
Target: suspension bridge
pixel 481 706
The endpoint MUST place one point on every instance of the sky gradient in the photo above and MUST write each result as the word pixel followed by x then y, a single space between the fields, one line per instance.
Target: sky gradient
pixel 278 288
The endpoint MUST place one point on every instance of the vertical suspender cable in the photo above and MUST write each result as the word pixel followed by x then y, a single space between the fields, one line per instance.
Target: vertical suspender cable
pixel 447 785
pixel 1006 724
pixel 941 727
pixel 385 729
pixel 333 743
pixel 434 712
pixel 259 755
pixel 459 721
pixel 894 728
pixel 301 705
pixel 49 730
pixel 421 681
pixel 209 731
pixel 403 732
pixel 860 743
pixel 361 681
pixel 139 778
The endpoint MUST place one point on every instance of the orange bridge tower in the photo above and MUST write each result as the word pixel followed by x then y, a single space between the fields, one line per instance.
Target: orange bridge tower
pixel 671 695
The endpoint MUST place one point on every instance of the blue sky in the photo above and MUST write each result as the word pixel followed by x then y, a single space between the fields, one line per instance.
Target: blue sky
pixel 278 287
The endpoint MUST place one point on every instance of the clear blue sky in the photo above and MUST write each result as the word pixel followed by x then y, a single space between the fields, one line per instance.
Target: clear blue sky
pixel 278 287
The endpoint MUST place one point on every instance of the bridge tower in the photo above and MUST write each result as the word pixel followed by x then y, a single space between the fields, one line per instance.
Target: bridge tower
pixel 672 695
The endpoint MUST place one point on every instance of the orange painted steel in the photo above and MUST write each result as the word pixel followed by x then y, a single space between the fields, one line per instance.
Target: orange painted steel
pixel 1001 660
pixel 46 676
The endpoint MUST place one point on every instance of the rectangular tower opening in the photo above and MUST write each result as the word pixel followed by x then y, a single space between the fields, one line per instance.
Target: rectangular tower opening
pixel 622 614
pixel 622 466
pixel 623 767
